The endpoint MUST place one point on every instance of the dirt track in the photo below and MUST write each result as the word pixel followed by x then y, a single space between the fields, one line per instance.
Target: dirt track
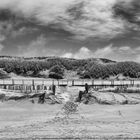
pixel 22 119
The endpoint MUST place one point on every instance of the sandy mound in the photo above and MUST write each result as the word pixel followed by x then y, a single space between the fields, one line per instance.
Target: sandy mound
pixel 6 95
pixel 9 95
pixel 110 98
pixel 121 89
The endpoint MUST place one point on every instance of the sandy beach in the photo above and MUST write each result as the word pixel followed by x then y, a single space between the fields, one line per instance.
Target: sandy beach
pixel 22 119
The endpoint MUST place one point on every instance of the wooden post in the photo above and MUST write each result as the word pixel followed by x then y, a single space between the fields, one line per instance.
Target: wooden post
pixel 20 88
pixel 42 82
pixel 4 86
pixel 33 84
pixel 83 82
pixel 38 87
pixel 13 82
pixel 23 87
pixel 29 88
pixel 92 82
pixel 72 82
pixel 112 83
pixel 45 87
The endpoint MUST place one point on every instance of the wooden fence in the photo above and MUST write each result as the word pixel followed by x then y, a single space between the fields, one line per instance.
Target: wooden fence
pixel 36 85
pixel 68 82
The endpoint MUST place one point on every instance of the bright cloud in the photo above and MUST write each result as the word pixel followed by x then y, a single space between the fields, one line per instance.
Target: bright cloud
pixel 123 53
pixel 82 53
pixel 67 55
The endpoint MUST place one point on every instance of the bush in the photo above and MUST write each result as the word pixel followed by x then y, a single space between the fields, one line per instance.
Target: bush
pixel 55 75
pixel 85 75
pixel 96 71
pixel 99 71
pixel 57 69
pixel 3 74
pixel 56 72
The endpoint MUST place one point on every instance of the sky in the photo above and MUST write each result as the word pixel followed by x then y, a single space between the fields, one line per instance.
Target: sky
pixel 71 28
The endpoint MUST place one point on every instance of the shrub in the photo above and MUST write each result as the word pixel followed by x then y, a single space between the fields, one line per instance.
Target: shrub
pixel 57 69
pixel 85 75
pixel 99 71
pixel 55 75
pixel 56 72
pixel 3 74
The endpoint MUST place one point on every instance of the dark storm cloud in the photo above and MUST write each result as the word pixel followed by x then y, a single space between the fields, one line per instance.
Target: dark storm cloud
pixel 76 11
pixel 6 15
pixel 128 10
pixel 82 18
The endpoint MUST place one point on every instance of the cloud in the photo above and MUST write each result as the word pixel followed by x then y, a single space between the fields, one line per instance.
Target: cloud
pixel 23 31
pixel 67 55
pixel 129 12
pixel 104 52
pixel 82 18
pixel 82 53
pixel 2 37
pixel 38 47
pixel 123 53
pixel 1 47
pixel 5 29
pixel 97 21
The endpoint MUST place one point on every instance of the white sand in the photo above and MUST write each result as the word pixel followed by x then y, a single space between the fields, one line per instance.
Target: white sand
pixel 25 120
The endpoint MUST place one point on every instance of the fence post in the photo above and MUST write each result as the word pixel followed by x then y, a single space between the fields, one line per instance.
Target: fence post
pixel 4 86
pixel 72 82
pixel 112 83
pixel 13 82
pixel 92 82
pixel 23 86
pixel 33 84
